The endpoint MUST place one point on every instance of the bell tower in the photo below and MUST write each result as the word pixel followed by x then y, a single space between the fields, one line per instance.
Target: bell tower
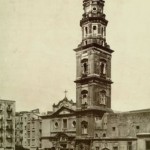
pixel 93 72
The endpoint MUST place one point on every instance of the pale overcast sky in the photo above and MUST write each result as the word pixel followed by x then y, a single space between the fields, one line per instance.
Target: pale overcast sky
pixel 37 61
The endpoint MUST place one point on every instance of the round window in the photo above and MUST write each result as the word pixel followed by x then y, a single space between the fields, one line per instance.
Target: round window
pixel 56 125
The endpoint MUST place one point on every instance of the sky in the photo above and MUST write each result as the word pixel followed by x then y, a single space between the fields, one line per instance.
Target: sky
pixel 37 61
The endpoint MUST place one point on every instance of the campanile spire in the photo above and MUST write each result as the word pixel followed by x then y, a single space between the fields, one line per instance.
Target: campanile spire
pixel 93 73
pixel 93 23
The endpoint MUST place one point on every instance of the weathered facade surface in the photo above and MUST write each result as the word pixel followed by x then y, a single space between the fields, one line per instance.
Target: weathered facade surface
pixel 123 131
pixel 7 125
pixel 59 127
pixel 28 129
pixel 98 127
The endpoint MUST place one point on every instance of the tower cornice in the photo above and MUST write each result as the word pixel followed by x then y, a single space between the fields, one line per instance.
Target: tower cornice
pixel 107 49
pixel 97 110
pixel 94 79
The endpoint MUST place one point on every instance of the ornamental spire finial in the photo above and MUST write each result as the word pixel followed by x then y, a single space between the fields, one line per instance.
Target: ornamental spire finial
pixel 65 93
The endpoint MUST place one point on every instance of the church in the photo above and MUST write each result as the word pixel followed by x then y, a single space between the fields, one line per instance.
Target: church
pixel 90 123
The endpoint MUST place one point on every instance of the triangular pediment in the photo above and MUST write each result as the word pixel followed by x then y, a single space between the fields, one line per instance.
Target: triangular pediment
pixel 63 111
pixel 64 103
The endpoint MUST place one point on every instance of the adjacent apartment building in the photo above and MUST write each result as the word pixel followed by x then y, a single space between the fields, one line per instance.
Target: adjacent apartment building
pixel 7 125
pixel 28 129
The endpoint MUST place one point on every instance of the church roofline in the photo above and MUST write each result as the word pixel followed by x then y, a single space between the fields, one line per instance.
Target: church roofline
pixel 133 111
pixel 140 110
pixel 128 113
pixel 54 114
pixel 65 99
pixel 79 138
pixel 4 100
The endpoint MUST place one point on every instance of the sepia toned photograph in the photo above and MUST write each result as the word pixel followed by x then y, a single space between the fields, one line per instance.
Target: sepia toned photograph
pixel 74 75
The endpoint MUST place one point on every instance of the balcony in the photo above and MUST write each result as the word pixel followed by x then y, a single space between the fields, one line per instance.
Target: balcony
pixel 9 127
pixel 9 118
pixel 94 39
pixel 1 127
pixel 93 36
pixel 9 145
pixel 98 15
pixel 96 42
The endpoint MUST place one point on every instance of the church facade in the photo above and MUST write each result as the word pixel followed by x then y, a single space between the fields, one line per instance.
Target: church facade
pixel 59 126
pixel 90 123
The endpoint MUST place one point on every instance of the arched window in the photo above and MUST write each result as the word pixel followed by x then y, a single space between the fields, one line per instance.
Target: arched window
pixel 86 30
pixel 90 28
pixel 74 124
pixel 94 30
pixel 102 32
pixel 102 43
pixel 99 28
pixel 84 66
pixel 103 97
pixel 56 125
pixel 103 67
pixel 84 96
pixel 84 126
pixel 85 42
